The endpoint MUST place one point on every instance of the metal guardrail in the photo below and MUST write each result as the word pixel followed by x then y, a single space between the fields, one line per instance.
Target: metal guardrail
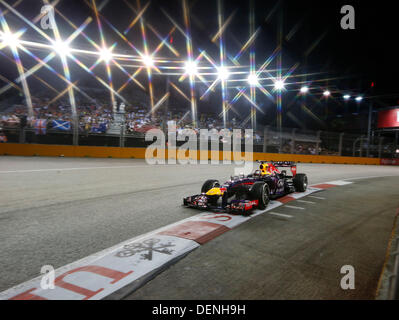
pixel 393 291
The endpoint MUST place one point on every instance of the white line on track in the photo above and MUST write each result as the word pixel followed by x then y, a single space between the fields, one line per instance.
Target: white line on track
pixel 304 201
pixel 72 169
pixel 293 207
pixel 370 177
pixel 91 168
pixel 280 215
pixel 320 198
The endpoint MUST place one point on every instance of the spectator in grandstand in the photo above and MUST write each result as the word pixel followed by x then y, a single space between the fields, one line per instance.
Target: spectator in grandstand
pixel 10 120
pixel 3 137
pixel 99 115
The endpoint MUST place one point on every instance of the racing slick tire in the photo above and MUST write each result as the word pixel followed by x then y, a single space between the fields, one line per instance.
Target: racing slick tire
pixel 209 184
pixel 260 191
pixel 301 182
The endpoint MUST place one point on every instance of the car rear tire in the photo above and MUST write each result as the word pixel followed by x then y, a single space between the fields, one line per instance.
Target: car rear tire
pixel 209 184
pixel 301 182
pixel 260 191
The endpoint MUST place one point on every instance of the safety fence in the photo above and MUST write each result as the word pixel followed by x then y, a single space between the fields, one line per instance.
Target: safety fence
pixel 142 153
pixel 295 141
pixel 269 140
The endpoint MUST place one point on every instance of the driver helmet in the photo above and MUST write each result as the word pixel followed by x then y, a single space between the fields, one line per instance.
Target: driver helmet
pixel 264 169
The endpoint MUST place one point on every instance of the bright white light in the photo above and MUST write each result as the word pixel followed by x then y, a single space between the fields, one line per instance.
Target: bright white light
pixel 61 47
pixel 326 93
pixel 223 73
pixel 148 61
pixel 347 97
pixel 191 68
pixel 358 99
pixel 106 55
pixel 9 39
pixel 279 85
pixel 253 79
pixel 304 89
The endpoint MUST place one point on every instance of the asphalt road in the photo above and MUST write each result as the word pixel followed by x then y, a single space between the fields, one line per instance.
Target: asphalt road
pixel 297 254
pixel 54 211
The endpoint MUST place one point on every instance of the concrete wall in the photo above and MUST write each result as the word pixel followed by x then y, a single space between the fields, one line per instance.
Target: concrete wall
pixel 140 153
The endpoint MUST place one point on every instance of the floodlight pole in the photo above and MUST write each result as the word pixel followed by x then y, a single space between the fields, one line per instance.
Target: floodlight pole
pixel 361 146
pixel 122 135
pixel 369 127
pixel 293 141
pixel 265 137
pixel 75 129
pixel 380 139
pixel 165 117
pixel 341 138
pixel 370 120
pixel 318 142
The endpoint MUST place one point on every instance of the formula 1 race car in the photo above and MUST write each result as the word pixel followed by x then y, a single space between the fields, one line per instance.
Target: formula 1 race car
pixel 242 194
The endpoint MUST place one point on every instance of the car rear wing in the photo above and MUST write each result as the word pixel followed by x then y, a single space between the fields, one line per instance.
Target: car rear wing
pixel 282 164
pixel 287 164
pixel 278 163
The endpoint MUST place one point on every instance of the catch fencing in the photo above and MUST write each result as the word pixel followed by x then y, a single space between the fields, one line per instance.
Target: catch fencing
pixel 270 140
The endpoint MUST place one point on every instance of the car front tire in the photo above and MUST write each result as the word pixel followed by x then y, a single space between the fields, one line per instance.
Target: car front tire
pixel 209 184
pixel 260 191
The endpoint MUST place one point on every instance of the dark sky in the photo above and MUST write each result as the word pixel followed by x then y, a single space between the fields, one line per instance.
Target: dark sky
pixel 350 59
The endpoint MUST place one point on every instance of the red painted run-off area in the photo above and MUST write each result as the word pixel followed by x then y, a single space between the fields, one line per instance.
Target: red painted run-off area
pixel 286 199
pixel 113 275
pixel 324 186
pixel 198 231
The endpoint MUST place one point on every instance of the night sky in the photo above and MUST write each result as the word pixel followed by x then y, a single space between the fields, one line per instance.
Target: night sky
pixel 345 60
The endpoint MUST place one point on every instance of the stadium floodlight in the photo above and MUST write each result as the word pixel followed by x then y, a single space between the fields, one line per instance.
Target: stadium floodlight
pixel 105 55
pixel 304 90
pixel 191 68
pixel 347 97
pixel 223 73
pixel 253 79
pixel 279 85
pixel 61 47
pixel 327 93
pixel 9 39
pixel 148 61
pixel 359 98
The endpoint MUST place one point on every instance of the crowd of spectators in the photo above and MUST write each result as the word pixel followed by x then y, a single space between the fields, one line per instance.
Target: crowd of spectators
pixel 3 137
pixel 138 118
pixel 98 118
pixel 302 147
pixel 89 115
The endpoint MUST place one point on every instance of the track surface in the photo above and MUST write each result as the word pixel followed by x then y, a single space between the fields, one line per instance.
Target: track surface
pixel 54 211
pixel 294 253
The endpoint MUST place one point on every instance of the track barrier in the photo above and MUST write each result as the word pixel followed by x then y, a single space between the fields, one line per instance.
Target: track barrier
pixel 29 150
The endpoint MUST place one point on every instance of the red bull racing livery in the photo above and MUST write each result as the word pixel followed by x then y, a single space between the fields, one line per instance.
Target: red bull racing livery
pixel 242 194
